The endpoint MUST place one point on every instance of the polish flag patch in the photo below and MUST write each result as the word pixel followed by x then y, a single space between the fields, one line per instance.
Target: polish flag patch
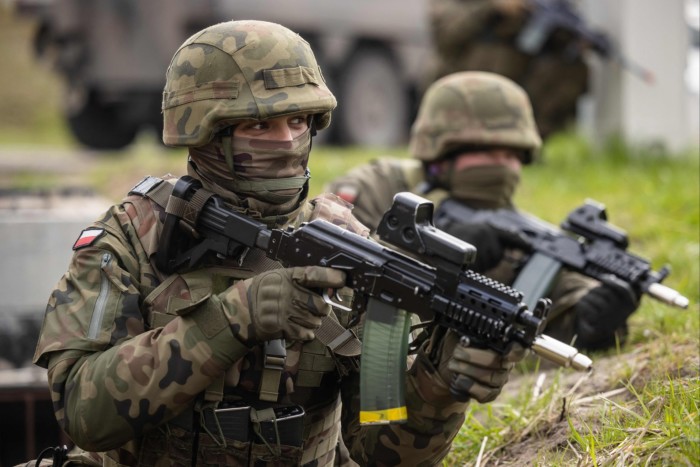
pixel 87 237
pixel 347 192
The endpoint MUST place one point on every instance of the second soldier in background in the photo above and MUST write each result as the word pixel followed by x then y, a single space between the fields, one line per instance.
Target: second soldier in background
pixel 473 133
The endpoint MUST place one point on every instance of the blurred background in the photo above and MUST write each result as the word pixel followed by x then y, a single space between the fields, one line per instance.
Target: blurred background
pixel 80 89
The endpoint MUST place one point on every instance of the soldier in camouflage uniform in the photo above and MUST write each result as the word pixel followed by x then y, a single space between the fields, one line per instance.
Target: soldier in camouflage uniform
pixel 473 132
pixel 481 35
pixel 226 364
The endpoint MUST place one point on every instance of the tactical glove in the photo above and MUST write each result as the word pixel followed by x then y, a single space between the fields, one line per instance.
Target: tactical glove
pixel 489 248
pixel 280 303
pixel 476 373
pixel 602 311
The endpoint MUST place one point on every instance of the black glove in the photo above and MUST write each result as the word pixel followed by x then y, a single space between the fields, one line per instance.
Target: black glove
pixel 603 311
pixel 489 248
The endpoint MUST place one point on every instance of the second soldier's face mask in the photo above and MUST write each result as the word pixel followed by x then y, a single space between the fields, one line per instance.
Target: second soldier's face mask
pixel 485 187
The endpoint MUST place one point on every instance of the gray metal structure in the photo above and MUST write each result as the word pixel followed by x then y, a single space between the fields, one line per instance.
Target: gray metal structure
pixel 37 229
pixel 113 54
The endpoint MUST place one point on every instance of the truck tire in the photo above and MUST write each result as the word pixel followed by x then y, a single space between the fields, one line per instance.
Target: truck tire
pixel 100 127
pixel 373 102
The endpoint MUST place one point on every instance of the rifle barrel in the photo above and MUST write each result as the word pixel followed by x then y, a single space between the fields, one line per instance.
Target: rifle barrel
pixel 668 295
pixel 561 353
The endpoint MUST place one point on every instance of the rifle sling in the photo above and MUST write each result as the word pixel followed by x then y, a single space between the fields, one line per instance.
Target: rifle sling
pixel 536 278
pixel 339 340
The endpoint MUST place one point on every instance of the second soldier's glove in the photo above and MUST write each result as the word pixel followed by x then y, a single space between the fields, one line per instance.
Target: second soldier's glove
pixel 602 311
pixel 281 303
pixel 489 248
pixel 475 373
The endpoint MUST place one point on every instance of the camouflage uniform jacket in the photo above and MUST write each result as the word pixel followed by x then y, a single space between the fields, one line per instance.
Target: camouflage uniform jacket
pixel 130 351
pixel 371 188
pixel 472 35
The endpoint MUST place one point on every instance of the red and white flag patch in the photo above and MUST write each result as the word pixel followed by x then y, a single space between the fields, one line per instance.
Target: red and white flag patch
pixel 87 237
pixel 347 192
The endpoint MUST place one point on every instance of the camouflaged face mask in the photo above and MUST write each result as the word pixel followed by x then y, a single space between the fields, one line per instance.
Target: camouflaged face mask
pixel 268 170
pixel 261 159
pixel 488 187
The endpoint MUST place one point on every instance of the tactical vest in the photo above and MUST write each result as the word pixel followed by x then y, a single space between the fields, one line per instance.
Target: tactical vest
pixel 279 405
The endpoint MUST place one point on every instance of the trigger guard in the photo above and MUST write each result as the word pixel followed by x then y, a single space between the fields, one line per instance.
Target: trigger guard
pixel 336 305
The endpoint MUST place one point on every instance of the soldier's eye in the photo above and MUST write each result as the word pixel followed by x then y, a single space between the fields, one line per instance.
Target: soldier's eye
pixel 299 122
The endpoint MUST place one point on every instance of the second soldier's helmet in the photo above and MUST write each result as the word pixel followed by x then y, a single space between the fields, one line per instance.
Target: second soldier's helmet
pixel 240 70
pixel 474 108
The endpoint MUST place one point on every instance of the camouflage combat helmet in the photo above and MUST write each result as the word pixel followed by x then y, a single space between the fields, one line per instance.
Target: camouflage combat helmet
pixel 474 108
pixel 240 70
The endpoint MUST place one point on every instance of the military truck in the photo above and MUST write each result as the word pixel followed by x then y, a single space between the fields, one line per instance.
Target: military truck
pixel 112 55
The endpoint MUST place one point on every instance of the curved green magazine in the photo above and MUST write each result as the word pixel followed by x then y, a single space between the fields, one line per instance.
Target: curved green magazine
pixel 383 365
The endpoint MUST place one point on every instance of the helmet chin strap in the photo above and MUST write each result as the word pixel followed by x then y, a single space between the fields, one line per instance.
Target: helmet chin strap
pixel 312 132
pixel 437 173
pixel 226 142
pixel 312 124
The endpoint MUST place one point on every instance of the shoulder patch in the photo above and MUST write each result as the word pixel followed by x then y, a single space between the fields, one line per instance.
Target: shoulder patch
pixel 347 192
pixel 87 237
pixel 145 185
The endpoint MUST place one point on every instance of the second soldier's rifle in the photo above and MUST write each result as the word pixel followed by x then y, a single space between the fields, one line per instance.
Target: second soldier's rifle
pixel 387 284
pixel 586 243
pixel 549 16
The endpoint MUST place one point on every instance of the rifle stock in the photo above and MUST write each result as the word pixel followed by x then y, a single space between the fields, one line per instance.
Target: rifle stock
pixel 387 284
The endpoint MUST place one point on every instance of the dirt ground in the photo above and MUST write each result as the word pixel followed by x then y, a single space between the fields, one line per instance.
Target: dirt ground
pixel 582 398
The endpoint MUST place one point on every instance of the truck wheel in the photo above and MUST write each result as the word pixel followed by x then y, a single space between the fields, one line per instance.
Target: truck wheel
pixel 373 105
pixel 99 126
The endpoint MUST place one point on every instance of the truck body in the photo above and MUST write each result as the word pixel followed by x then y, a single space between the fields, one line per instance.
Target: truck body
pixel 112 56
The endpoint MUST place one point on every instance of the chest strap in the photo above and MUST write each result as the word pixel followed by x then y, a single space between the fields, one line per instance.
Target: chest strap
pixel 339 340
pixel 275 356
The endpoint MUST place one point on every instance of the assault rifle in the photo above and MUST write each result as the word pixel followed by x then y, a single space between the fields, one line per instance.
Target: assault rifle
pixel 586 243
pixel 387 284
pixel 549 16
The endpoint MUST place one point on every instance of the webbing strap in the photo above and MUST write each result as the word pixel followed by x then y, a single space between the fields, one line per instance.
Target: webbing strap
pixel 215 391
pixel 188 210
pixel 160 193
pixel 339 340
pixel 275 357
